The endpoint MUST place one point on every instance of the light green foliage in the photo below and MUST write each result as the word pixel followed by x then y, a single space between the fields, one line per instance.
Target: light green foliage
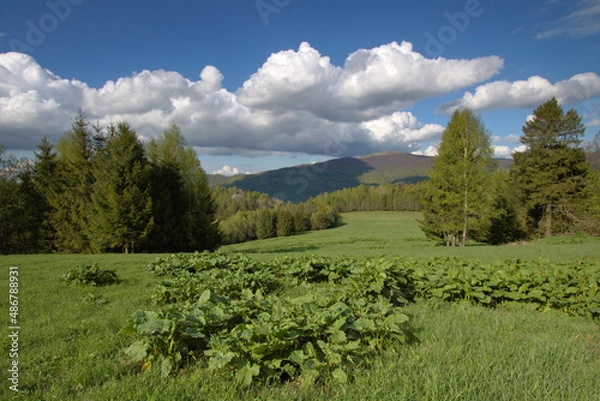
pixel 323 218
pixel 85 274
pixel 226 307
pixel 233 311
pixel 285 223
pixel 72 201
pixel 456 203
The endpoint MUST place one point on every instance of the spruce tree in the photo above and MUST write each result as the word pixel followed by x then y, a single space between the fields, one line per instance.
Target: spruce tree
pixel 183 208
pixel 552 173
pixel 456 204
pixel 121 212
pixel 71 202
pixel 45 182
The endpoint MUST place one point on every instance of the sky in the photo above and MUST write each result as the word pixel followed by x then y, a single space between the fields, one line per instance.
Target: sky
pixel 262 84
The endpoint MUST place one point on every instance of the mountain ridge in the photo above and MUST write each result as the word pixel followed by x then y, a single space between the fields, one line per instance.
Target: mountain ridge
pixel 301 182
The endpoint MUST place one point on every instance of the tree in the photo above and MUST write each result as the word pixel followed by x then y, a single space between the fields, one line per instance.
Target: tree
pixel 592 150
pixel 552 173
pixel 183 207
pixel 121 212
pixel 285 223
pixel 456 204
pixel 15 233
pixel 71 203
pixel 45 182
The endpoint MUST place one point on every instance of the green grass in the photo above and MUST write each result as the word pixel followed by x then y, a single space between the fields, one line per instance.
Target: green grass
pixel 71 349
pixel 398 234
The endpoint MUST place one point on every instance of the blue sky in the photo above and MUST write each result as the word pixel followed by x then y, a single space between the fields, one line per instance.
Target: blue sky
pixel 256 85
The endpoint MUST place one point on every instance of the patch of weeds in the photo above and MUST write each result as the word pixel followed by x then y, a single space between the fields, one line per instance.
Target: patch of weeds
pixel 85 274
pixel 94 299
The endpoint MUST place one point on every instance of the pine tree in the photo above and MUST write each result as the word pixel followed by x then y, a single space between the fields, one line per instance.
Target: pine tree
pixel 551 173
pixel 456 204
pixel 71 203
pixel 121 213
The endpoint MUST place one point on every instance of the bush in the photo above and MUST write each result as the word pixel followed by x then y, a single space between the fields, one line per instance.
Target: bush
pixel 285 223
pixel 90 275
pixel 323 218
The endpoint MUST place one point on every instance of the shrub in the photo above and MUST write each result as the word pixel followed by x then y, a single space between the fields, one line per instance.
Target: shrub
pixel 85 274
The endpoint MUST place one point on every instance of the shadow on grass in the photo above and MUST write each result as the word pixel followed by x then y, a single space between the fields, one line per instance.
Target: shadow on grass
pixel 285 249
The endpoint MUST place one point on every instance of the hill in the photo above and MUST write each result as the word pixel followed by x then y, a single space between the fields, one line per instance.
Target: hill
pixel 299 183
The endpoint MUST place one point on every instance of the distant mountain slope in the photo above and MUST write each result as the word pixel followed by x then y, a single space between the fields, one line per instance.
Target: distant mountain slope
pixel 302 182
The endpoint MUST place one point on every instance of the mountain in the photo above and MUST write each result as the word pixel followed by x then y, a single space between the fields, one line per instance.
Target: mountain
pixel 299 183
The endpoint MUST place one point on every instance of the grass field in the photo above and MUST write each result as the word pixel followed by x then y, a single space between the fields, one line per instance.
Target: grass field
pixel 70 347
pixel 397 234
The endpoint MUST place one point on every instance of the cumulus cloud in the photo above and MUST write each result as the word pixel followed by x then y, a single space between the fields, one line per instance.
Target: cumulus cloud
pixel 401 128
pixel 431 151
pixel 527 94
pixel 298 101
pixel 372 82
pixel 506 152
pixel 582 22
pixel 227 170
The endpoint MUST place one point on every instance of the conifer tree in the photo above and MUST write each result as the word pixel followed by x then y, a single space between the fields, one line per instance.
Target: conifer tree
pixel 45 182
pixel 552 173
pixel 456 204
pixel 121 213
pixel 71 203
pixel 183 209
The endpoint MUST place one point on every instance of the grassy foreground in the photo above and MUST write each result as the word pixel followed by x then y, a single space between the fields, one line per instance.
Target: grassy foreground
pixel 70 346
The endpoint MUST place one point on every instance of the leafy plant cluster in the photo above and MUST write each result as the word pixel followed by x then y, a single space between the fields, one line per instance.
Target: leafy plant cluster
pixel 85 274
pixel 571 287
pixel 230 312
pixel 310 318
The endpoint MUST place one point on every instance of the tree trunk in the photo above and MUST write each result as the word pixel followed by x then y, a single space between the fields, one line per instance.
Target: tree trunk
pixel 466 219
pixel 548 220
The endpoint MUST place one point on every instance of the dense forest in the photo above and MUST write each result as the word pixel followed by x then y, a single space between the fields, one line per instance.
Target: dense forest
pixel 100 189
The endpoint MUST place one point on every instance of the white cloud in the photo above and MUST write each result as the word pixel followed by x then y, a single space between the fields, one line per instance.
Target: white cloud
pixel 372 82
pixel 527 94
pixel 401 128
pixel 296 102
pixel 506 152
pixel 227 170
pixel 594 123
pixel 582 22
pixel 430 151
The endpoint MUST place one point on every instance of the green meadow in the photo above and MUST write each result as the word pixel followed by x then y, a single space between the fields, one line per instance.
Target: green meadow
pixel 70 346
pixel 397 234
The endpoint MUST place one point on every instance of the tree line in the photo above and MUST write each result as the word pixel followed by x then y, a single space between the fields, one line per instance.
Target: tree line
pixel 550 188
pixel 99 189
pixel 247 215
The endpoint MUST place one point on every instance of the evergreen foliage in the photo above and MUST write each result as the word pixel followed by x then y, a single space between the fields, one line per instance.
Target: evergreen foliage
pixel 183 207
pixel 72 201
pixel 121 217
pixel 552 173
